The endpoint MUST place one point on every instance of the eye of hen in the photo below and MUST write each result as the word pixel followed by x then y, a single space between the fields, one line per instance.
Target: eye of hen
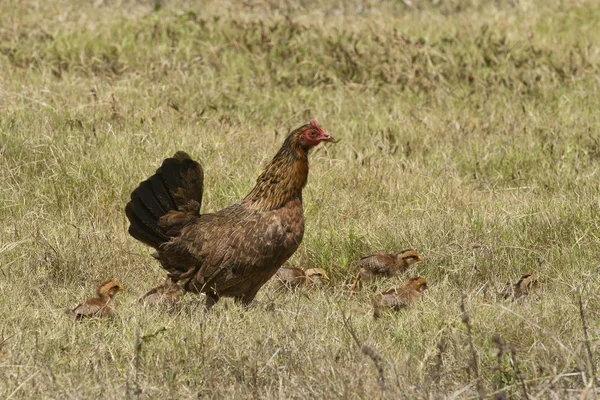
pixel 312 134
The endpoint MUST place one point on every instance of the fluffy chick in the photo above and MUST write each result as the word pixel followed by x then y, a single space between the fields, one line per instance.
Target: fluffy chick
pixel 289 278
pixel 524 287
pixel 316 277
pixel 167 294
pixel 385 265
pixel 101 306
pixel 292 278
pixel 398 299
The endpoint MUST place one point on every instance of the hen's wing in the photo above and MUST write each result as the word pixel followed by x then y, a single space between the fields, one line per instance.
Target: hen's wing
pixel 229 252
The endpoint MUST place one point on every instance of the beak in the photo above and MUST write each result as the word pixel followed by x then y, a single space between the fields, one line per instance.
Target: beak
pixel 325 278
pixel 121 288
pixel 329 138
pixel 420 259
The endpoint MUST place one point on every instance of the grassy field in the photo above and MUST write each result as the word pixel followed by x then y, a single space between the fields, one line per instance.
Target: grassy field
pixel 470 131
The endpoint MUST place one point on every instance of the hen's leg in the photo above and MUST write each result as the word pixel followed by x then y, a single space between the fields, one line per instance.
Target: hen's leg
pixel 245 300
pixel 211 300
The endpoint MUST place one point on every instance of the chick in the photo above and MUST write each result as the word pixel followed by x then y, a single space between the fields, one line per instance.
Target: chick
pixel 297 278
pixel 101 306
pixel 525 286
pixel 398 299
pixel 316 277
pixel 289 278
pixel 385 265
pixel 167 294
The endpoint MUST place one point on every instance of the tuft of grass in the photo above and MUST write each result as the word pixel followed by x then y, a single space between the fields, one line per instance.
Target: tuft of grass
pixel 470 132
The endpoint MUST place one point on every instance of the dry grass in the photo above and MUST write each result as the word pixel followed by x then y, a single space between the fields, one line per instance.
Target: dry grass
pixel 470 132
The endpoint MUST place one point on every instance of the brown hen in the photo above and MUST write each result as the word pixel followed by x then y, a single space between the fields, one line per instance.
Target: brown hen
pixel 235 251
pixel 398 299
pixel 100 306
pixel 385 265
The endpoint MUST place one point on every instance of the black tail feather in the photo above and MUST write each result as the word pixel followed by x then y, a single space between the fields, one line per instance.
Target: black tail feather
pixel 148 197
pixel 161 192
pixel 178 181
pixel 140 231
pixel 170 173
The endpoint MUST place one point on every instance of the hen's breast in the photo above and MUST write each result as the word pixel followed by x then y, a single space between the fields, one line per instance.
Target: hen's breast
pixel 291 218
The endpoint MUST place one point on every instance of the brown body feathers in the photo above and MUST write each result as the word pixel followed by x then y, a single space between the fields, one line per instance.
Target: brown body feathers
pixel 385 265
pixel 100 306
pixel 398 299
pixel 235 251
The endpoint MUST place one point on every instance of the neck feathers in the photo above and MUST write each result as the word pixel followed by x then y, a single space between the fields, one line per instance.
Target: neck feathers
pixel 283 179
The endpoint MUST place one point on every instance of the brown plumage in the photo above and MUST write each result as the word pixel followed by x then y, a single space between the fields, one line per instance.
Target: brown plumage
pixel 294 278
pixel 385 265
pixel 101 306
pixel 398 299
pixel 524 287
pixel 232 252
pixel 167 294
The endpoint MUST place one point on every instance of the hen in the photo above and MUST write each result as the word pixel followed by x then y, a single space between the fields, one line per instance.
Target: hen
pixel 232 252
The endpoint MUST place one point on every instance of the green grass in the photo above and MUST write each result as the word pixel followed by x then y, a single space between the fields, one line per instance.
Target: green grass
pixel 469 131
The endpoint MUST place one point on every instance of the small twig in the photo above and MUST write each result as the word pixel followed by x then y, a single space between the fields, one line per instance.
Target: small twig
pixel 467 321
pixel 436 375
pixel 151 335
pixel 378 365
pixel 588 349
pixel 366 350
pixel 137 357
pixel 350 329
pixel 136 360
pixel 549 334
pixel 515 365
pixel 22 383
pixel 500 346
pixel 6 339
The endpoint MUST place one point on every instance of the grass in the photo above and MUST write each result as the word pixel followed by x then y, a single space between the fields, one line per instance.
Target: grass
pixel 470 132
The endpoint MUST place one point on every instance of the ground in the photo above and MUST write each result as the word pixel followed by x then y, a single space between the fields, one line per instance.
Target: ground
pixel 469 130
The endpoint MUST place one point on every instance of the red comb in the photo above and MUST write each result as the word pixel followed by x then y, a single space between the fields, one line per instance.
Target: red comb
pixel 315 124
